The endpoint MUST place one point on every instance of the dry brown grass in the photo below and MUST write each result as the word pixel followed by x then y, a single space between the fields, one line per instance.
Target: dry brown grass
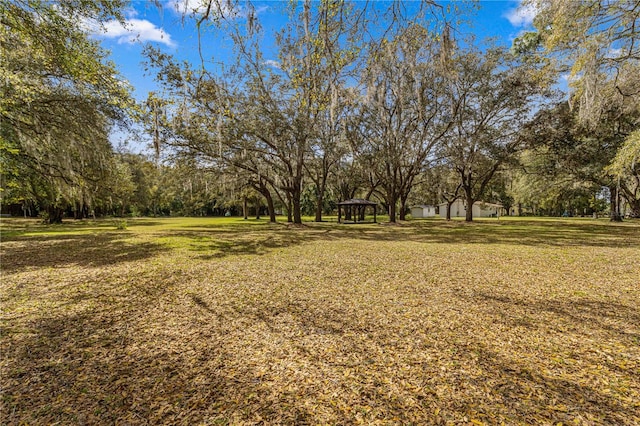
pixel 220 322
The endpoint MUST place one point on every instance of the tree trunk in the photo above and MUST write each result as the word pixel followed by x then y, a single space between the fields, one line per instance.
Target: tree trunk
pixel 449 204
pixel 631 195
pixel 469 199
pixel 258 207
pixel 519 209
pixel 319 204
pixel 392 211
pixel 320 199
pixel 634 207
pixel 614 200
pixel 244 207
pixel 270 208
pixel 79 212
pixel 55 215
pixel 345 191
pixel 262 188
pixel 403 207
pixel 297 208
pixel 289 208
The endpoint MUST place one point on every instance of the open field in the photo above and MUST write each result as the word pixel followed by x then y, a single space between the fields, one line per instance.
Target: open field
pixel 224 321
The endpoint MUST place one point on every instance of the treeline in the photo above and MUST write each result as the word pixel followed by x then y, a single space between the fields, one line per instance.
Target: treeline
pixel 132 186
pixel 136 185
pixel 384 101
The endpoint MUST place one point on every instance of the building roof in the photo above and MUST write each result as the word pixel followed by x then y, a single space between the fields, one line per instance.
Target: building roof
pixel 421 206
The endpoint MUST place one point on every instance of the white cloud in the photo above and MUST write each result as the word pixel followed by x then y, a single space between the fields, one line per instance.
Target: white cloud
pixel 132 31
pixel 197 7
pixel 130 13
pixel 521 16
pixel 226 8
pixel 273 64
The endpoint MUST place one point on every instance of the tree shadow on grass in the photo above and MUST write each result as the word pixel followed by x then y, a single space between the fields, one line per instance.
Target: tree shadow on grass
pixel 527 233
pixel 105 248
pixel 98 363
pixel 99 249
pixel 586 316
pixel 297 321
pixel 75 369
pixel 528 395
pixel 509 389
pixel 561 399
pixel 16 228
pixel 259 244
pixel 104 366
pixel 219 242
pixel 531 233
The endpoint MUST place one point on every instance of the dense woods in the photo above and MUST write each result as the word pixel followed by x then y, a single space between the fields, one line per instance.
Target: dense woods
pixel 387 101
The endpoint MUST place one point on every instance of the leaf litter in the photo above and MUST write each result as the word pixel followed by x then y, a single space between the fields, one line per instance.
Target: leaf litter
pixel 323 325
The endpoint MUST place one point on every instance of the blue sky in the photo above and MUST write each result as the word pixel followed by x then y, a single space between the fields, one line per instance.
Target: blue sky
pixel 166 29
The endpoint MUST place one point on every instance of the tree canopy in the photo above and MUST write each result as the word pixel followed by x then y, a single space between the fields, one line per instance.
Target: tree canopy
pixel 60 98
pixel 365 99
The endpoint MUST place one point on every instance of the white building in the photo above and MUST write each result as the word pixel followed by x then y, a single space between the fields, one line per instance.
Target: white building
pixel 423 211
pixel 480 209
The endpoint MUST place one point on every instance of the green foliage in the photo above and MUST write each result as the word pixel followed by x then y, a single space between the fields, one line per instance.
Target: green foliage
pixel 567 154
pixel 60 99
pixel 494 95
pixel 596 46
pixel 598 43
pixel 627 159
pixel 279 127
pixel 526 43
pixel 406 113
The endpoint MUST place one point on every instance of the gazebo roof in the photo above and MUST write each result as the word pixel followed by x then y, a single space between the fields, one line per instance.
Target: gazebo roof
pixel 357 202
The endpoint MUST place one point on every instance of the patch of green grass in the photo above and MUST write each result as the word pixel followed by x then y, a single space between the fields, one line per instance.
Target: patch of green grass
pixel 227 321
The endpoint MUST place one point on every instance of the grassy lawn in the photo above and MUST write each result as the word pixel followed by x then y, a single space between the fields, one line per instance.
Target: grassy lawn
pixel 225 321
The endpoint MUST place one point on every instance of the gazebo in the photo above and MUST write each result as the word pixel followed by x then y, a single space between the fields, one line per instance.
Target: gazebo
pixel 356 207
